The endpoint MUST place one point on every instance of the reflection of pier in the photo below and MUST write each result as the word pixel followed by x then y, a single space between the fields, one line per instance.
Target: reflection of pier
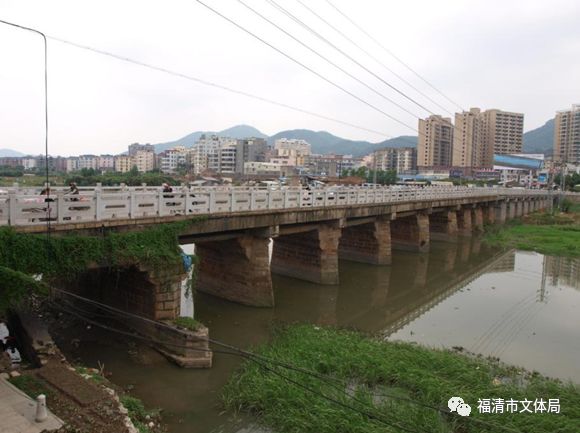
pixel 429 300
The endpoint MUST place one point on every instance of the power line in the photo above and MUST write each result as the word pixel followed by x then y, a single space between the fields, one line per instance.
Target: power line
pixel 326 58
pixel 380 62
pixel 308 68
pixel 378 77
pixel 212 84
pixel 236 351
pixel 393 54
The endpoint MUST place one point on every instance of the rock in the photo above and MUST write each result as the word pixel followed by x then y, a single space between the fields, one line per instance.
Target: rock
pixel 151 424
pixel 15 374
pixel 5 376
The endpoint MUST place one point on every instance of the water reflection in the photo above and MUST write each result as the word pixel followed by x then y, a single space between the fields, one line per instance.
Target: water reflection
pixel 522 307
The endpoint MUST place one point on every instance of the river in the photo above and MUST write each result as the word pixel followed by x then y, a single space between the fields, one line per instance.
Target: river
pixel 522 307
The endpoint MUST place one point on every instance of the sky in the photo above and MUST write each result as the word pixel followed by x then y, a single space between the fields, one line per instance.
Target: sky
pixel 519 55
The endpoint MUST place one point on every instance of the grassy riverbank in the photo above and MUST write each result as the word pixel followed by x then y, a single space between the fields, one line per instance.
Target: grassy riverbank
pixel 554 235
pixel 391 386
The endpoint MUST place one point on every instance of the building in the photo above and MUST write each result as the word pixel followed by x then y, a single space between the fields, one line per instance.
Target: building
pixel 172 159
pixel 250 150
pixel 504 131
pixel 29 162
pixel 435 142
pixel 72 164
pixel 567 135
pixel 144 160
pixel 10 161
pixel 88 162
pixel 403 160
pixel 260 168
pixel 136 147
pixel 478 135
pixel 123 163
pixel 106 162
pixel 296 150
pixel 226 161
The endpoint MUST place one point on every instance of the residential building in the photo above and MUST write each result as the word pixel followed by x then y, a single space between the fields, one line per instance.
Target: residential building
pixel 504 131
pixel 88 162
pixel 567 135
pixel 72 164
pixel 29 162
pixel 478 135
pixel 172 159
pixel 123 163
pixel 435 142
pixel 260 168
pixel 296 150
pixel 144 160
pixel 10 161
pixel 136 147
pixel 250 150
pixel 401 159
pixel 106 162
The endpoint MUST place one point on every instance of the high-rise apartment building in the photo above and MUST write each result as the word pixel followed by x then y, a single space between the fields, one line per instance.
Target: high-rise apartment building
pixel 435 142
pixel 401 159
pixel 478 135
pixel 250 150
pixel 144 160
pixel 504 130
pixel 567 135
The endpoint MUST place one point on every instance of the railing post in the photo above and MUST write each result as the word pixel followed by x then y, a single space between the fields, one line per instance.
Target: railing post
pixel 12 208
pixel 211 201
pixel 132 204
pixel 60 206
pixel 98 204
pixel 159 202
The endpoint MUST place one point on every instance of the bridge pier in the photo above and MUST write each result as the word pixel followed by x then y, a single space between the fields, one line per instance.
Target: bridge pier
pixel 443 226
pixel 310 255
pixel 511 210
pixel 477 218
pixel 237 269
pixel 519 209
pixel 526 207
pixel 411 233
pixel 500 212
pixel 367 243
pixel 489 214
pixel 464 225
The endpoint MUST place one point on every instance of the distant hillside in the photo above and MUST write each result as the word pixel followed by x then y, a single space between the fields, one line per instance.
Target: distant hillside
pixel 321 141
pixel 10 153
pixel 540 140
pixel 239 131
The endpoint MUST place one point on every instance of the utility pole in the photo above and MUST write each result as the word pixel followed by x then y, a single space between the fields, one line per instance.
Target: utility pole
pixel 375 169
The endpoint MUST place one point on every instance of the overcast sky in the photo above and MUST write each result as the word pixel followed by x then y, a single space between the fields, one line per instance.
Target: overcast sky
pixel 514 55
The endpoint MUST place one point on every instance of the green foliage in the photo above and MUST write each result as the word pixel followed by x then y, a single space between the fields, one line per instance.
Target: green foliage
pixel 15 288
pixel 89 177
pixel 30 385
pixel 9 171
pixel 376 370
pixel 188 323
pixel 553 240
pixel 137 412
pixel 388 177
pixel 66 257
pixel 570 181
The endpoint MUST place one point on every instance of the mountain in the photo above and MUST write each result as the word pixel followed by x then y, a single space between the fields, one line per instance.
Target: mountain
pixel 10 153
pixel 540 140
pixel 238 131
pixel 321 141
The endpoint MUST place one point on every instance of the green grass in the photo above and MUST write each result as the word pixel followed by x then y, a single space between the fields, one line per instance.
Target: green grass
pixel 554 239
pixel 30 385
pixel 187 323
pixel 138 413
pixel 427 376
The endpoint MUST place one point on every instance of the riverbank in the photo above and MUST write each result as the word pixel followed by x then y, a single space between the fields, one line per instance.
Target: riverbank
pixel 552 234
pixel 361 384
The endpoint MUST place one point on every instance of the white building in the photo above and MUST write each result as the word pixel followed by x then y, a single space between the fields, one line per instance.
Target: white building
pixel 261 168
pixel 295 150
pixel 172 159
pixel 72 164
pixel 107 162
pixel 29 163
pixel 88 161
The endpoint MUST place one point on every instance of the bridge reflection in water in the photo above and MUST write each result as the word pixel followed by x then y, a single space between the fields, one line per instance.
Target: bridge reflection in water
pixel 458 294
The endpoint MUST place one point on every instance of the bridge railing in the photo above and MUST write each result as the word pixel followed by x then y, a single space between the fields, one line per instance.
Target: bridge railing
pixel 21 207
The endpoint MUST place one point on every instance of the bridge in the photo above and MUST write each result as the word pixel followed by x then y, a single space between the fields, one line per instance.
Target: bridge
pixel 243 235
pixel 310 229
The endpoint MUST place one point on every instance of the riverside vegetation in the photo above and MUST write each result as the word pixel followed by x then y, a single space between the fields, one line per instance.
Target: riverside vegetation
pixel 554 234
pixel 382 386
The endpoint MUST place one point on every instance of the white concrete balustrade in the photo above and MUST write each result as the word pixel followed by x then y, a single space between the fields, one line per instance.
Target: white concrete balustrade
pixel 24 206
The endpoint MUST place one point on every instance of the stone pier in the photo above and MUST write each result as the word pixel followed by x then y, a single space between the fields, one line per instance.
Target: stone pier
pixel 477 219
pixel 464 225
pixel 237 269
pixel 310 255
pixel 511 210
pixel 367 242
pixel 526 209
pixel 489 214
pixel 500 212
pixel 519 208
pixel 411 232
pixel 443 226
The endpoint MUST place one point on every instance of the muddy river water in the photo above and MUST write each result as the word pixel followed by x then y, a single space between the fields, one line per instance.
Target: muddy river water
pixel 521 307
